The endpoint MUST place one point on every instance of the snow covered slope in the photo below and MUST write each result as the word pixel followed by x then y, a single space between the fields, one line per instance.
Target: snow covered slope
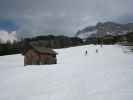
pixel 106 75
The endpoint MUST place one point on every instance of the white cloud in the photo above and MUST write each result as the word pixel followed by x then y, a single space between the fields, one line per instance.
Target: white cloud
pixel 6 36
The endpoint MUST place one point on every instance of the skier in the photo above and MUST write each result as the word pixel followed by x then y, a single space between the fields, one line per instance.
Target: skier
pixel 96 50
pixel 101 45
pixel 86 52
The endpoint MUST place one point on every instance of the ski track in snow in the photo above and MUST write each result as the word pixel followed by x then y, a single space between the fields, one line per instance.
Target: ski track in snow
pixel 106 75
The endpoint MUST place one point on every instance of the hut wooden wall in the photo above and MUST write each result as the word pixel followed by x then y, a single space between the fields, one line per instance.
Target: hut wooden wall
pixel 31 58
pixel 34 58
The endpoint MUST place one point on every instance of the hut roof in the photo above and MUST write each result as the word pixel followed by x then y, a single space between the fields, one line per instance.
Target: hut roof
pixel 41 49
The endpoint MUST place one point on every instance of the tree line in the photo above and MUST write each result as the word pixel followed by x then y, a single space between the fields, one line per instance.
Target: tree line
pixel 49 41
pixel 55 42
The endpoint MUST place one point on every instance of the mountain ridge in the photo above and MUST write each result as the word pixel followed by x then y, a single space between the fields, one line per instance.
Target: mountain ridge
pixel 103 29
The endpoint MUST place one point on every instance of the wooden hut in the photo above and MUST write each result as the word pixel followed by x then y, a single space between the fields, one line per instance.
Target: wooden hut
pixel 35 54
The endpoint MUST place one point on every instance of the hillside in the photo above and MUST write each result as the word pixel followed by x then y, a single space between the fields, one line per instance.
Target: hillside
pixel 103 29
pixel 106 75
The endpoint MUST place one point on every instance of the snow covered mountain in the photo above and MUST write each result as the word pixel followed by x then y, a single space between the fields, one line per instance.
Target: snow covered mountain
pixel 106 75
pixel 103 29
pixel 8 37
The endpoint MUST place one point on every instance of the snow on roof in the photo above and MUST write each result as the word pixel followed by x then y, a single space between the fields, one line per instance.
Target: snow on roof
pixel 41 49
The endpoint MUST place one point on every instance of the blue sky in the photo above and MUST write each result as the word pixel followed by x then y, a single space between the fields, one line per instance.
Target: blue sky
pixel 8 25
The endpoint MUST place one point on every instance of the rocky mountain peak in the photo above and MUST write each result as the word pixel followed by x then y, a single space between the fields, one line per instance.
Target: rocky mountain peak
pixel 103 29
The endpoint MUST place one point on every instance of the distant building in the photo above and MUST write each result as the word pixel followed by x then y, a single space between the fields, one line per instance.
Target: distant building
pixel 35 54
